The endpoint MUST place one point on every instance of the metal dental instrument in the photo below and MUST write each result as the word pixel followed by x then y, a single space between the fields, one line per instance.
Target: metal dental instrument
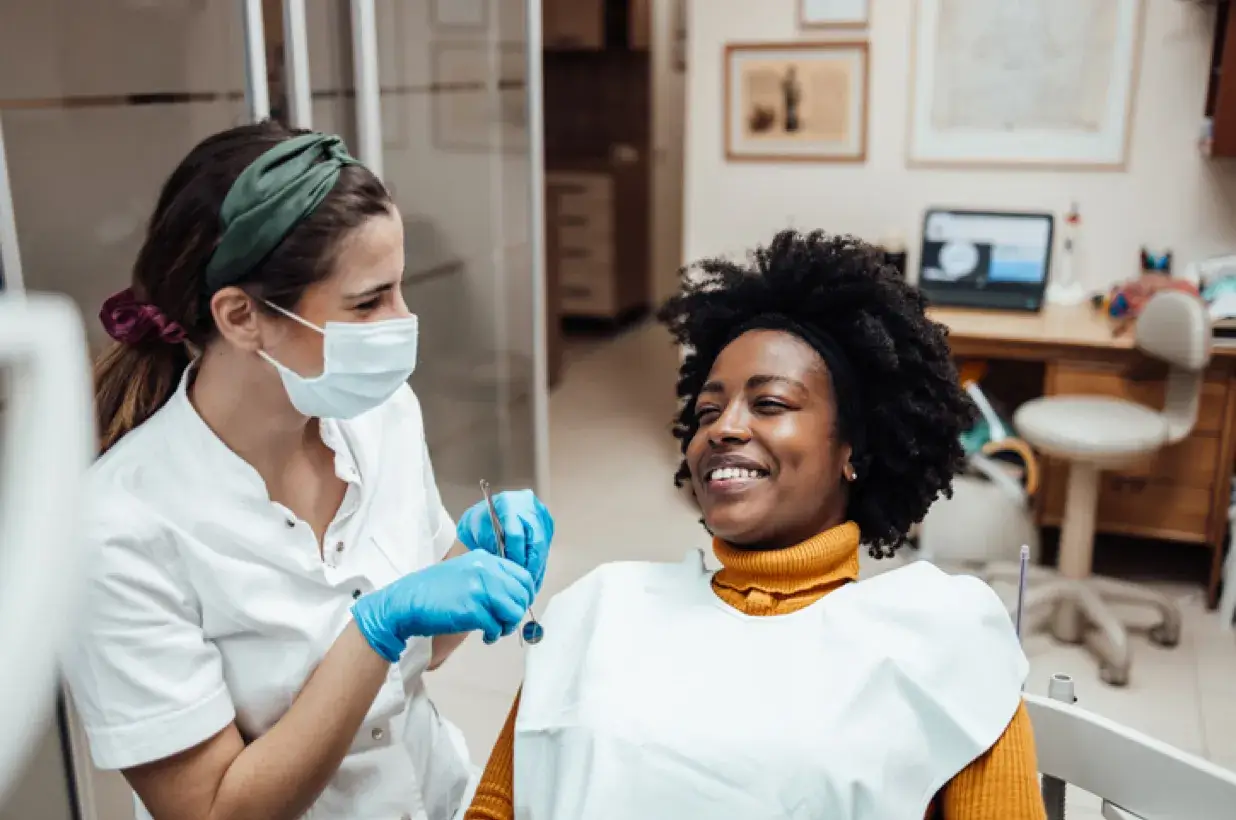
pixel 532 631
pixel 1021 584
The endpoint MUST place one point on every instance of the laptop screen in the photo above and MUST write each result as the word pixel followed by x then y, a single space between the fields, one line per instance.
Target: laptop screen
pixel 985 259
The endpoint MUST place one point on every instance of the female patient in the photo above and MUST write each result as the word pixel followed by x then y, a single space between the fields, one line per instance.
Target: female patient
pixel 819 410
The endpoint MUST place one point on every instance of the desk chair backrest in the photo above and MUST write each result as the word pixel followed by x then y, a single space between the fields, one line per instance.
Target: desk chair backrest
pixel 1145 777
pixel 1175 328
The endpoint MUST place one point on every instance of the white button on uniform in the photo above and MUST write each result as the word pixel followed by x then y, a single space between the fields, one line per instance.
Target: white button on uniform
pixel 377 734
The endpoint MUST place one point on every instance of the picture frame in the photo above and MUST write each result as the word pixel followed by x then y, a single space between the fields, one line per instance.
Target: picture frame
pixel 796 102
pixel 459 15
pixel 1065 103
pixel 845 14
pixel 474 111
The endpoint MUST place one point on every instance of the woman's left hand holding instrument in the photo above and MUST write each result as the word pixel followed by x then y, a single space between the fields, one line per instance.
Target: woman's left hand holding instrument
pixel 526 524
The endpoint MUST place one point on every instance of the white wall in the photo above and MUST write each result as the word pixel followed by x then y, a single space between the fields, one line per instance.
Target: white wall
pixel 1168 196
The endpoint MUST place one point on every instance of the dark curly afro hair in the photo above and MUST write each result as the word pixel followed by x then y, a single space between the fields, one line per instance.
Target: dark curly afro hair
pixel 914 409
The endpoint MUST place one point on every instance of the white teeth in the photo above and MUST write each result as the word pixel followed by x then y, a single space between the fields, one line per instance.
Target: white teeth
pixel 729 473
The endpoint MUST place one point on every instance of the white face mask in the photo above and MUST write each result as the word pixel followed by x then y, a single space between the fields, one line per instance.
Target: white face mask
pixel 363 364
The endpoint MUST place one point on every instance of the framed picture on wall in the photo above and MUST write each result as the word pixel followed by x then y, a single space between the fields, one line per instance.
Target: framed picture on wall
pixel 1044 84
pixel 802 102
pixel 467 15
pixel 833 13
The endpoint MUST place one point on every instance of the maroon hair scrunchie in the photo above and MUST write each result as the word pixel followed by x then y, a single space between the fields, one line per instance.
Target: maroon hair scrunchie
pixel 129 321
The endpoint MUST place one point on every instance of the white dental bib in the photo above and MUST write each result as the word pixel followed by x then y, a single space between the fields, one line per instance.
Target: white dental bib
pixel 650 697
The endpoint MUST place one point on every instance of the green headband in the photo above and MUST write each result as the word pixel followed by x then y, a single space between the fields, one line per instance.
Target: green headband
pixel 270 198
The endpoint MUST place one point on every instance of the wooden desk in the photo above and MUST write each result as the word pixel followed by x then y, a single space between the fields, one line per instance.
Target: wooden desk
pixel 1182 493
pixel 1055 331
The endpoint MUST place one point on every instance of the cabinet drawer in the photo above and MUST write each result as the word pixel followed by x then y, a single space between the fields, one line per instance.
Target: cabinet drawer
pixel 584 270
pixel 585 263
pixel 592 230
pixel 1147 507
pixel 1071 380
pixel 1193 462
pixel 585 195
pixel 584 296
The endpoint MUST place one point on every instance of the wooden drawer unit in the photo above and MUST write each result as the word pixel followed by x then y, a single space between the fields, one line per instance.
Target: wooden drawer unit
pixel 594 248
pixel 581 243
pixel 1167 495
pixel 1132 505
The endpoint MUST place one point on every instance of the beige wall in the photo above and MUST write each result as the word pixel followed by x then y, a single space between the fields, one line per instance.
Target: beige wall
pixel 1168 196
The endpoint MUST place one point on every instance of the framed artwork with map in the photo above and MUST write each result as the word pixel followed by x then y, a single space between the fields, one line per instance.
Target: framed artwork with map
pixel 1045 84
pixel 803 102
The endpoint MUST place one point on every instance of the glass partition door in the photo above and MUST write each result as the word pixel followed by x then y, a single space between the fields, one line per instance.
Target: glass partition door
pixel 445 108
pixel 98 102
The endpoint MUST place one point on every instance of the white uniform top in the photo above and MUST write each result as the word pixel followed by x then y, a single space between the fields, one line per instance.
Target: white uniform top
pixel 650 697
pixel 211 603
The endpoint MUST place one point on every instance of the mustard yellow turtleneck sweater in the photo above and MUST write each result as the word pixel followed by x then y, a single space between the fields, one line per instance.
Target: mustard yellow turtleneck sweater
pixel 1002 784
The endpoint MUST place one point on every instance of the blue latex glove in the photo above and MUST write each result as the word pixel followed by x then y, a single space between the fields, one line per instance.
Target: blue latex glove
pixel 468 593
pixel 528 526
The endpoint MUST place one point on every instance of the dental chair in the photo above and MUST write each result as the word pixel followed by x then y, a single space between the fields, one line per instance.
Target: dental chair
pixel 1097 433
pixel 1136 776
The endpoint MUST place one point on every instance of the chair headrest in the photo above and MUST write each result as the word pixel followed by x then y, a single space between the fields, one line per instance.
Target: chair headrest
pixel 1175 326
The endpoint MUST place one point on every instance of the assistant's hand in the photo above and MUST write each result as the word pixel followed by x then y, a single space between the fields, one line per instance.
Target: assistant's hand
pixel 528 526
pixel 468 593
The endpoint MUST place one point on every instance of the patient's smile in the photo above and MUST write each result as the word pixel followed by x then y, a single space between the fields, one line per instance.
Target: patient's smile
pixel 734 479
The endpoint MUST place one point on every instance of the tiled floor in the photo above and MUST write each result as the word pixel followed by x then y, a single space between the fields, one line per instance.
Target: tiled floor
pixel 613 498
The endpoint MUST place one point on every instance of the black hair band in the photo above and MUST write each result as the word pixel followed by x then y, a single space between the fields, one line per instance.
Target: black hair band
pixel 841 372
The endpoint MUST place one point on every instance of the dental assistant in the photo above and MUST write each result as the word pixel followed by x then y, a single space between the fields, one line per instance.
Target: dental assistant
pixel 274 567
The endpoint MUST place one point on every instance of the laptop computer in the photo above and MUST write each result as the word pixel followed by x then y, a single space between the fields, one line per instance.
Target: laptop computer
pixel 985 259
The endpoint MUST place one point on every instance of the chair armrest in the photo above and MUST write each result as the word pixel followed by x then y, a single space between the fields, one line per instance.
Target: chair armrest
pixel 1142 776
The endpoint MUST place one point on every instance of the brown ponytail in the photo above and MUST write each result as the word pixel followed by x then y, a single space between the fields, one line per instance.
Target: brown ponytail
pixel 131 382
pixel 134 378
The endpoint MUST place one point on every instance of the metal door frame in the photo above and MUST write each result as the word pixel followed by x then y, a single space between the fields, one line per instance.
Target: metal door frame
pixel 11 280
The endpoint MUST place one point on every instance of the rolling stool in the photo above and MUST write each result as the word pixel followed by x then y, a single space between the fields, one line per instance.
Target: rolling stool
pixel 1095 433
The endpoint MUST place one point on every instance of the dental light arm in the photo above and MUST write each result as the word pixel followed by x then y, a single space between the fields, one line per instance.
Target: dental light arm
pixel 47 441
